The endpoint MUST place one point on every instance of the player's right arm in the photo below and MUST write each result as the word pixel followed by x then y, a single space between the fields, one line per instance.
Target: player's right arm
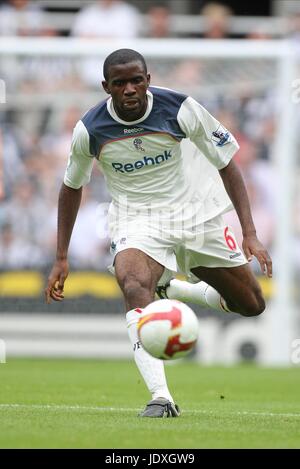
pixel 68 206
pixel 77 174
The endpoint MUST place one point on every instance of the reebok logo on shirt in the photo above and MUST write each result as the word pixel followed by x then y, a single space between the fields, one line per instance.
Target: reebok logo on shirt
pixel 135 130
pixel 146 161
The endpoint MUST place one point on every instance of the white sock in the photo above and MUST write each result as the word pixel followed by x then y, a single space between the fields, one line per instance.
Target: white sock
pixel 199 293
pixel 151 369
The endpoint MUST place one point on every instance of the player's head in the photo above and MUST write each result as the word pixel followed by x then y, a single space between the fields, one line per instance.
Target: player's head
pixel 126 80
pixel 120 57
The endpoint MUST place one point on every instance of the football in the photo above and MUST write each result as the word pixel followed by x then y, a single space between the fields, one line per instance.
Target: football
pixel 168 329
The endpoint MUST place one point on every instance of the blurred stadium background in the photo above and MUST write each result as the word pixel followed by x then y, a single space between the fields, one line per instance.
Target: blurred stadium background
pixel 240 60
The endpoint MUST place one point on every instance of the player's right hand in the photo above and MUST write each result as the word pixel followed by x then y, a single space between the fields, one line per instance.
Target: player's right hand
pixel 56 281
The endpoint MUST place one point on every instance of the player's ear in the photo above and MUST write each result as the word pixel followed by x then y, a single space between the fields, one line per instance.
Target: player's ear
pixel 148 79
pixel 105 86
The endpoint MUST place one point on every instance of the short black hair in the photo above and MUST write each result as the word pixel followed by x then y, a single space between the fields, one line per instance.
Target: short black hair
pixel 122 56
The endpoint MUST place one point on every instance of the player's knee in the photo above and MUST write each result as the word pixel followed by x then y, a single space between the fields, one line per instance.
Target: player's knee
pixel 133 286
pixel 256 304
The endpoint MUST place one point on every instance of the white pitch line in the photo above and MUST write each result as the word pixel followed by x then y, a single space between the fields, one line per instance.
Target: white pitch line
pixel 132 409
pixel 66 407
pixel 270 414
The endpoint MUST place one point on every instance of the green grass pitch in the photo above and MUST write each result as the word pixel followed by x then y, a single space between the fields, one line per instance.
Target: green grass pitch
pixel 94 404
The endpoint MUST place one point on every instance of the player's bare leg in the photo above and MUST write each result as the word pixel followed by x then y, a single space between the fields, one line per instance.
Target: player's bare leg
pixel 237 285
pixel 233 289
pixel 137 275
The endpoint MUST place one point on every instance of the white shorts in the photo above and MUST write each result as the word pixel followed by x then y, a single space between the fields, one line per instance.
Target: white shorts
pixel 211 244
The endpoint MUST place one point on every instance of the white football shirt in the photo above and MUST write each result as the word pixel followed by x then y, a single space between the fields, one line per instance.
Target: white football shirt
pixel 167 158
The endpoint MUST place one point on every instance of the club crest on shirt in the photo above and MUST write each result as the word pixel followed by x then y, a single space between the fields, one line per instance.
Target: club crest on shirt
pixel 221 136
pixel 115 244
pixel 137 142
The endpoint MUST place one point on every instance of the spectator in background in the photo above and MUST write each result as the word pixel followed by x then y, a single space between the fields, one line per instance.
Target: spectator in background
pixel 257 171
pixel 20 18
pixel 158 22
pixel 17 252
pixel 217 21
pixel 25 212
pixel 90 244
pixel 186 75
pixel 92 227
pixel 56 143
pixel 11 165
pixel 107 19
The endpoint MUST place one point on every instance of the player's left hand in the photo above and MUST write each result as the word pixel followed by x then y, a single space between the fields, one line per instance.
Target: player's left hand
pixel 253 247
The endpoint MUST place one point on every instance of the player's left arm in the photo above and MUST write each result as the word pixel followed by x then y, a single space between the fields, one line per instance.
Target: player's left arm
pixel 236 189
pixel 219 146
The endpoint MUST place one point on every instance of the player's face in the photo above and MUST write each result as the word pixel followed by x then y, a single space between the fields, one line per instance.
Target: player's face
pixel 127 84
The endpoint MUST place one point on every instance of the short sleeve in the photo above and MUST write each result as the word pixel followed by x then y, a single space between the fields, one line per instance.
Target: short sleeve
pixel 213 140
pixel 80 163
